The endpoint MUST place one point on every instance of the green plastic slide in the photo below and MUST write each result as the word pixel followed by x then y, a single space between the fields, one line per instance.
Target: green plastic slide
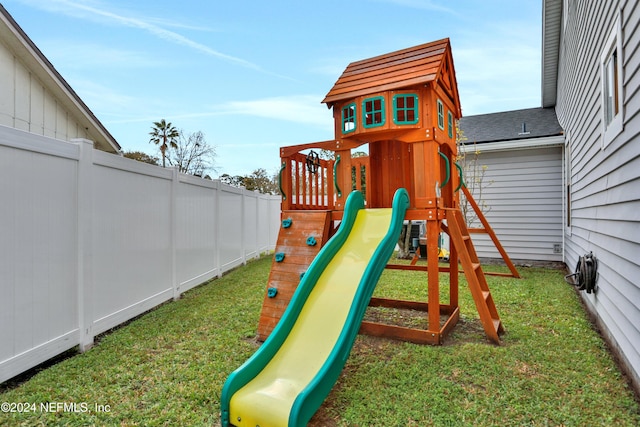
pixel 287 379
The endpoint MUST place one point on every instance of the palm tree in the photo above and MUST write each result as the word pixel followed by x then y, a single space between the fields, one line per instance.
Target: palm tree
pixel 164 135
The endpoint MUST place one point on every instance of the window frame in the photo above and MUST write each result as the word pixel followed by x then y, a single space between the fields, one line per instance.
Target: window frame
pixel 440 110
pixel 567 166
pixel 354 118
pixel 381 111
pixel 415 108
pixel 612 49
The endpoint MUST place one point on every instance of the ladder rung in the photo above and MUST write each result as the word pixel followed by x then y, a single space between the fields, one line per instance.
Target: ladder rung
pixel 475 265
pixel 486 295
pixel 466 237
pixel 496 324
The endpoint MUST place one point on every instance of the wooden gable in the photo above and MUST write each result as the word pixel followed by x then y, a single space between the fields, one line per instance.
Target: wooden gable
pixel 429 62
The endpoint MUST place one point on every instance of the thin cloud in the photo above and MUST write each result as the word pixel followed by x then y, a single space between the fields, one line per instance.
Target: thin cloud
pixel 304 109
pixel 421 4
pixel 82 10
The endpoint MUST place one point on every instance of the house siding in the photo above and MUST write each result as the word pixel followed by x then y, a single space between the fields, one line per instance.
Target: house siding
pixel 522 191
pixel 27 105
pixel 605 182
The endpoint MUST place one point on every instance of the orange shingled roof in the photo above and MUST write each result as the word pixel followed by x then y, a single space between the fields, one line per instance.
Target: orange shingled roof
pixel 395 70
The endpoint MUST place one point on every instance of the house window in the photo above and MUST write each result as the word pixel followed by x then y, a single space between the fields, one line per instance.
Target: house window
pixel 611 75
pixel 567 181
pixel 611 95
pixel 450 123
pixel 440 115
pixel 373 112
pixel 405 109
pixel 349 118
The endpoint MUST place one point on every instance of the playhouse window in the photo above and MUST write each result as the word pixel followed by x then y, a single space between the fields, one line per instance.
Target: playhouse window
pixel 373 112
pixel 405 109
pixel 440 115
pixel 450 123
pixel 349 118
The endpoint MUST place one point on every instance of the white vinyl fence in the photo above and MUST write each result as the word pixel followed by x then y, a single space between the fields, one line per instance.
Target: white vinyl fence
pixel 89 240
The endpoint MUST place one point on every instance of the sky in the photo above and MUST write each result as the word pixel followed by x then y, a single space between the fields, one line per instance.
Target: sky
pixel 251 74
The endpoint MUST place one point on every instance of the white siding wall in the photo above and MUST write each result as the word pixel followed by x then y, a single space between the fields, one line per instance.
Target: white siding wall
pixel 26 104
pixel 90 240
pixel 522 190
pixel 605 182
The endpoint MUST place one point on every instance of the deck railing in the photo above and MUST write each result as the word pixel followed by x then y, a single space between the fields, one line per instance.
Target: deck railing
pixel 306 184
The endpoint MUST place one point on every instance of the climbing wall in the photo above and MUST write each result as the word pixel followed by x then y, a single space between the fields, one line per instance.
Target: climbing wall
pixel 302 234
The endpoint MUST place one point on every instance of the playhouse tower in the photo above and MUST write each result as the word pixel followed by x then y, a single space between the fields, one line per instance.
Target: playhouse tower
pixel 401 107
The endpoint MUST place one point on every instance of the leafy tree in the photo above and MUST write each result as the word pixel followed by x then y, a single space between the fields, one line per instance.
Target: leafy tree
pixel 192 154
pixel 142 157
pixel 164 135
pixel 234 181
pixel 473 176
pixel 259 180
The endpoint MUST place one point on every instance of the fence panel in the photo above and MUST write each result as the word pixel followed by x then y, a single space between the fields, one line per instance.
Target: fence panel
pixel 250 225
pixel 132 258
pixel 38 258
pixel 90 240
pixel 196 237
pixel 230 228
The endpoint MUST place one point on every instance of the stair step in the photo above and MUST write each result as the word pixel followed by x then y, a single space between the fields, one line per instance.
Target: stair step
pixel 475 277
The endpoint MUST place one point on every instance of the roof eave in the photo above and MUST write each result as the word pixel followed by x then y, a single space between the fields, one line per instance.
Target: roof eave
pixel 551 33
pixel 49 73
pixel 515 144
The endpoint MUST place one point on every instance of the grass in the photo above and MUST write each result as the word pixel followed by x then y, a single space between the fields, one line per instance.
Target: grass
pixel 168 366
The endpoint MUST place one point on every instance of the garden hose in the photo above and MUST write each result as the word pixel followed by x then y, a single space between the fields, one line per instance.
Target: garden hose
pixel 586 273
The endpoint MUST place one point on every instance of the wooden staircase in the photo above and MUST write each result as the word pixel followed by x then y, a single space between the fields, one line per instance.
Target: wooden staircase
pixel 461 238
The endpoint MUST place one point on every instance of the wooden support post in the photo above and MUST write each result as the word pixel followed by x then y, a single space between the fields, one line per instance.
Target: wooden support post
pixel 433 231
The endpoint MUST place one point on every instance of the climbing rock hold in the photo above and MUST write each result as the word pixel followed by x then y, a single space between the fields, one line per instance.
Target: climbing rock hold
pixel 279 256
pixel 311 241
pixel 286 223
pixel 272 292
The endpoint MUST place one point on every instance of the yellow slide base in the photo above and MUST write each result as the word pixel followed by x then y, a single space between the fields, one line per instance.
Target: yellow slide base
pixel 267 400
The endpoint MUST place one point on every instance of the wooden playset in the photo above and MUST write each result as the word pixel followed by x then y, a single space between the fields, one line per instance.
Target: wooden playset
pixel 404 106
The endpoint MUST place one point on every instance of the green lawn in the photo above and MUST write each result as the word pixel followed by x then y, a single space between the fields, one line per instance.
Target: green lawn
pixel 168 366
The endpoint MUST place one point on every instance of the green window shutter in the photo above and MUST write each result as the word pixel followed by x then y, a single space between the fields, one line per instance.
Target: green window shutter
pixel 450 123
pixel 440 114
pixel 405 109
pixel 373 113
pixel 349 118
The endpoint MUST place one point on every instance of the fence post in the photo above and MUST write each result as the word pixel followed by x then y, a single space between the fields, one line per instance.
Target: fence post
pixel 173 203
pixel 256 236
pixel 218 210
pixel 243 208
pixel 85 242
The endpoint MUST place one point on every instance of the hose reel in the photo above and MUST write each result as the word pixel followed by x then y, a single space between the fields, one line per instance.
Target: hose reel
pixel 586 273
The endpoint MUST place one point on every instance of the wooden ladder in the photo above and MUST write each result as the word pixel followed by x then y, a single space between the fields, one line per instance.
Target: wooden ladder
pixel 475 276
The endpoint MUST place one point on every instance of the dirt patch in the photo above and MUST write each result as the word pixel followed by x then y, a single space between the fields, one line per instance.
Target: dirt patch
pixel 398 317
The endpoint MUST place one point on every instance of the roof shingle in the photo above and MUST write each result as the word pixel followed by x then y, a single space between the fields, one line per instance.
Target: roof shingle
pixel 395 70
pixel 510 125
